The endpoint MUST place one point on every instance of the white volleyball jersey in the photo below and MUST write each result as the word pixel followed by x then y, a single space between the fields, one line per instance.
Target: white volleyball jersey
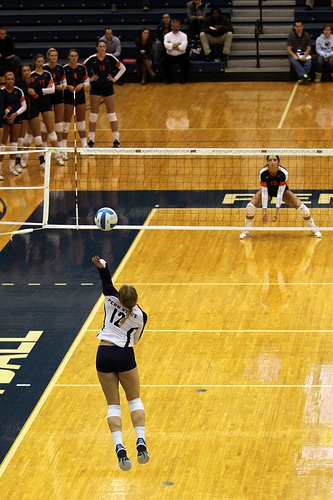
pixel 128 333
pixel 123 335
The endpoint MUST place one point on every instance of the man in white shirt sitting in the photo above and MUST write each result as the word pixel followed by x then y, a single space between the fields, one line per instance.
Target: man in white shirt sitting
pixel 175 44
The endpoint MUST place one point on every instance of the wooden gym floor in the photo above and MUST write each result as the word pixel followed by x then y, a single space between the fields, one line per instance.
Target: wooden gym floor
pixel 236 363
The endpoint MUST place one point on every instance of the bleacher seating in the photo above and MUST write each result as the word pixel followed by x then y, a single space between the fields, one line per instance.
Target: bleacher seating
pixel 37 25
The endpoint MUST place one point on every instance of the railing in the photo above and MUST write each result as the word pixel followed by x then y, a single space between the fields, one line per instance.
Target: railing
pixel 258 30
pixel 256 36
pixel 260 17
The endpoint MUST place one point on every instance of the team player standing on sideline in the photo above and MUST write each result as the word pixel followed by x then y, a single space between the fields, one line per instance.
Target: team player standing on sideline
pixel 77 79
pixel 14 105
pixel 31 127
pixel 273 181
pixel 22 84
pixel 57 98
pixel 41 86
pixel 100 67
pixel 123 325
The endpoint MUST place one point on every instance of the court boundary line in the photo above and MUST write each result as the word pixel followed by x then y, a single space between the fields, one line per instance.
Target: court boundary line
pixel 286 109
pixel 165 129
pixel 231 330
pixel 203 386
pixel 240 283
pixel 42 400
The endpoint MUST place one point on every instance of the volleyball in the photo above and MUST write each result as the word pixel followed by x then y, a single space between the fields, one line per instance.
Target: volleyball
pixel 106 218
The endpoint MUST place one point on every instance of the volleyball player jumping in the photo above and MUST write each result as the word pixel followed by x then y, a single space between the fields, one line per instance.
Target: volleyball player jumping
pixel 123 325
pixel 100 67
pixel 273 183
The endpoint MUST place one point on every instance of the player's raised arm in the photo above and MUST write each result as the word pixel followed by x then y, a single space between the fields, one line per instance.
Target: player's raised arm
pixel 104 273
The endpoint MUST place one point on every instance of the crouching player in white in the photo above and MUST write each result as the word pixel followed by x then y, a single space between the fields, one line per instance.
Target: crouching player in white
pixel 123 325
pixel 273 181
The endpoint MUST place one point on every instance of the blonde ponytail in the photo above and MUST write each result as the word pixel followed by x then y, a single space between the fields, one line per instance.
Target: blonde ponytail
pixel 128 297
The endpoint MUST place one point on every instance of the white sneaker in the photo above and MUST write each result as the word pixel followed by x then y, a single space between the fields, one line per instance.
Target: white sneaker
pixel 13 171
pixel 245 234
pixel 60 161
pixel 1 177
pixel 23 163
pixel 18 168
pixel 42 166
pixel 316 233
pixel 64 156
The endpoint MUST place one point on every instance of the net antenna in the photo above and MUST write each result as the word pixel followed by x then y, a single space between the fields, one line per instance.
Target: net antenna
pixel 178 189
pixel 75 161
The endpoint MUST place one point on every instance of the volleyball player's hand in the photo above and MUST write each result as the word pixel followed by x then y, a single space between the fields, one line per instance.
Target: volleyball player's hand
pixel 110 78
pixel 71 88
pixel 98 262
pixel 31 92
pixel 275 216
pixel 94 78
pixel 11 118
pixel 78 87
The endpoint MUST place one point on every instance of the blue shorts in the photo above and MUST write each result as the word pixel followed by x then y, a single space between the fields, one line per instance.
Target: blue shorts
pixel 102 88
pixel 115 359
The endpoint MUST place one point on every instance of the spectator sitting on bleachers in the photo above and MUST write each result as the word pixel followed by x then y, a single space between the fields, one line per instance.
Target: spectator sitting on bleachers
pixel 175 44
pixel 324 49
pixel 144 57
pixel 8 60
pixel 196 13
pixel 158 47
pixel 113 46
pixel 299 48
pixel 216 30
pixel 310 4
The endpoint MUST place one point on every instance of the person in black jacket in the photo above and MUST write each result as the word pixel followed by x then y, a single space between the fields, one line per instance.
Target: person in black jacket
pixel 216 30
pixel 144 58
pixel 158 47
pixel 8 60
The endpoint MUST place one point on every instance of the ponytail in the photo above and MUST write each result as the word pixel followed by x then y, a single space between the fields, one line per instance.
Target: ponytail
pixel 128 298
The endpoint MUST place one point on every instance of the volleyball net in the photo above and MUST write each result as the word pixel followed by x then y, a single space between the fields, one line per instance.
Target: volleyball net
pixel 192 189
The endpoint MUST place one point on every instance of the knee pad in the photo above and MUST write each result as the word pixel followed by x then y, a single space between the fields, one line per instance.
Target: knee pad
pixel 38 140
pixel 27 139
pixel 43 128
pixel 113 411
pixel 58 127
pixel 81 126
pixel 112 117
pixel 13 146
pixel 53 136
pixel 65 127
pixel 135 404
pixel 250 210
pixel 305 211
pixel 93 117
